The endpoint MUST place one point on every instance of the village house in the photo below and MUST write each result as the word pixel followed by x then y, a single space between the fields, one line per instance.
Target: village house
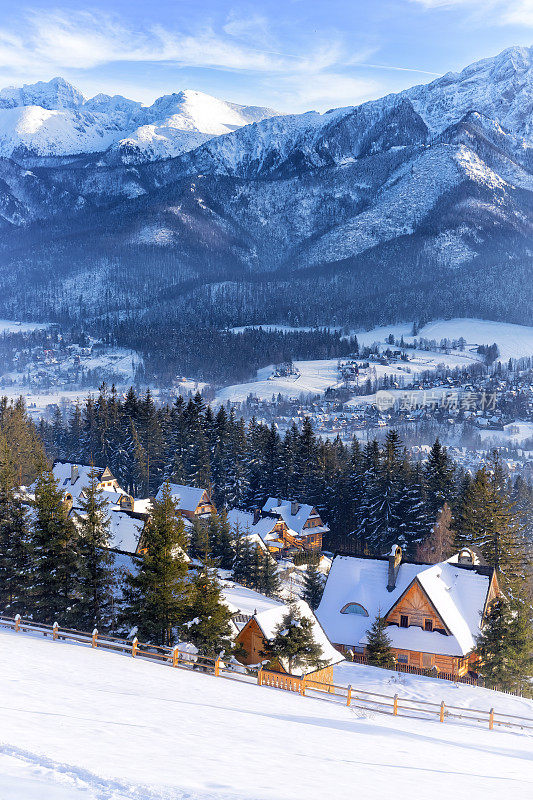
pixel 126 520
pixel 266 531
pixel 434 612
pixel 261 629
pixel 304 527
pixel 74 479
pixel 192 502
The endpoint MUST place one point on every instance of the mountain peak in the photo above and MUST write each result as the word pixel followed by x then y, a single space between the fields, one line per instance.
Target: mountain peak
pixel 54 95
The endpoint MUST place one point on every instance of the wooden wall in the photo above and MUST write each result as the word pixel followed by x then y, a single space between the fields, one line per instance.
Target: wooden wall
pixel 416 606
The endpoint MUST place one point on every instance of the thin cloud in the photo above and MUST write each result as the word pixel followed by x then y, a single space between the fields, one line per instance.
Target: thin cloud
pixel 499 12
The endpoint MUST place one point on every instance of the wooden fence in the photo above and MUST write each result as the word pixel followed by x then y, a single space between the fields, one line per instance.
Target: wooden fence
pixel 350 696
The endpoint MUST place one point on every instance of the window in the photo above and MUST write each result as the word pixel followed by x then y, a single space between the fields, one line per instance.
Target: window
pixel 427 660
pixel 404 621
pixel 354 608
pixel 403 658
pixel 428 624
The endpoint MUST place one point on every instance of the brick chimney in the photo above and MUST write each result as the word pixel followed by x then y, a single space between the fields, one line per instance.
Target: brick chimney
pixel 395 559
pixel 74 474
pixel 257 516
pixel 294 507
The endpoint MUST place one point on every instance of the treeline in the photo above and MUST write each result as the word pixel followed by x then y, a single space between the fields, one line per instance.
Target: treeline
pixel 223 356
pixel 371 496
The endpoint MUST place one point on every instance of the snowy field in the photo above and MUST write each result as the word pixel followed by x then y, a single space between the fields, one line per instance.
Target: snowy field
pixel 515 433
pixel 10 326
pixel 81 723
pixel 514 341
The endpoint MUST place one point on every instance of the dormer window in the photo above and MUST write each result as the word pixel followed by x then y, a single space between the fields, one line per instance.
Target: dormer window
pixel 354 608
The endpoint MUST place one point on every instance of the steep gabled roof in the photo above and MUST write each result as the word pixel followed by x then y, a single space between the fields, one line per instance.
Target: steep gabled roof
pixel 269 620
pixel 187 498
pixel 263 527
pixel 457 593
pixel 295 522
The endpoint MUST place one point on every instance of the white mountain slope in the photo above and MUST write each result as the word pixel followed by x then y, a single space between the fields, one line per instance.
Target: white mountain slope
pixel 81 723
pixel 54 119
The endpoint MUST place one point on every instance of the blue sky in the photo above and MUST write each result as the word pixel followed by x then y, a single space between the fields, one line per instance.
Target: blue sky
pixel 293 55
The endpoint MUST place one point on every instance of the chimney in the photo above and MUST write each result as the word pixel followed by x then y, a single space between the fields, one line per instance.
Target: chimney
pixel 74 474
pixel 395 559
pixel 257 516
pixel 294 507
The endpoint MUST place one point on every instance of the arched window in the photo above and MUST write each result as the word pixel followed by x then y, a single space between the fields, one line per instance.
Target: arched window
pixel 354 608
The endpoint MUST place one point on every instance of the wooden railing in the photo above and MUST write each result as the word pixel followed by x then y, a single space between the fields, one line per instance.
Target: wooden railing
pixel 350 696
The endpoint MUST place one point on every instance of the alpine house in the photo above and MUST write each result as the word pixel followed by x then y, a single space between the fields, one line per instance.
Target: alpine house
pixel 433 612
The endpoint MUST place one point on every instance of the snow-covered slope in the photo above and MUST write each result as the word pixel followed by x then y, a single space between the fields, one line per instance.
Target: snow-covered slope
pixel 54 119
pixel 88 723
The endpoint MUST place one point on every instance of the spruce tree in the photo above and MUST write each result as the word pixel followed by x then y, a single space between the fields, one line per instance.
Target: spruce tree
pixel 439 476
pixel 438 546
pixel 54 590
pixel 244 559
pixel 95 608
pixel 270 582
pixel 294 644
pixel 378 644
pixel 208 618
pixel 505 647
pixel 155 597
pixel 222 549
pixel 313 586
pixel 14 544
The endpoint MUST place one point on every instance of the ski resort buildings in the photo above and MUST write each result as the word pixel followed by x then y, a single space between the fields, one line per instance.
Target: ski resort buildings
pixel 434 612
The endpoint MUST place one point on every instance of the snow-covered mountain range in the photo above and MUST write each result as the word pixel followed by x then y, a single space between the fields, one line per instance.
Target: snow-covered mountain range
pixel 416 203
pixel 54 119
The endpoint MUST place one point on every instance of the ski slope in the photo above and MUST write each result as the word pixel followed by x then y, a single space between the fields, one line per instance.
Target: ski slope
pixel 81 723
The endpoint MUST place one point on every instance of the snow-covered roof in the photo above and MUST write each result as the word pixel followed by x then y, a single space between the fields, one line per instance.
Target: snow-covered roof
pixel 241 600
pixel 188 498
pixel 458 595
pixel 269 620
pixel 63 473
pixel 263 527
pixel 124 531
pixel 294 521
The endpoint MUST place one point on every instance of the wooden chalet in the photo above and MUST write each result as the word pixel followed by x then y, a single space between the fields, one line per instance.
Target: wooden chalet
pixel 261 628
pixel 303 526
pixel 434 612
pixel 194 503
pixel 73 480
pixel 267 531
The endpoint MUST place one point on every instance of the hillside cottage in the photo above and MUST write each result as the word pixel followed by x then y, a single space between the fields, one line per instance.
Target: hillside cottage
pixel 434 612
pixel 193 503
pixel 261 628
pixel 304 527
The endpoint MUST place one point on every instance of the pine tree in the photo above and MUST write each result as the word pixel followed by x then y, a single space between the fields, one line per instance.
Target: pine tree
pixel 208 617
pixel 505 647
pixel 14 543
pixel 439 476
pixel 244 559
pixel 95 608
pixel 378 644
pixel 54 574
pixel 294 644
pixel 313 586
pixel 222 549
pixel 155 597
pixel 270 582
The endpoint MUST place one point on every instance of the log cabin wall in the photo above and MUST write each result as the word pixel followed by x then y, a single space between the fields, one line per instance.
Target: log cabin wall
pixel 254 643
pixel 416 607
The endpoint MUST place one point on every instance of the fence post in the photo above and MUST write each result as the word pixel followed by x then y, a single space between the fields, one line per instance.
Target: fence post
pixel 134 644
pixel 491 719
pixel 395 705
pixel 302 686
pixel 217 667
pixel 349 697
pixel 441 715
pixel 260 676
pixel 94 637
pixel 17 622
pixel 175 656
pixel 55 630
